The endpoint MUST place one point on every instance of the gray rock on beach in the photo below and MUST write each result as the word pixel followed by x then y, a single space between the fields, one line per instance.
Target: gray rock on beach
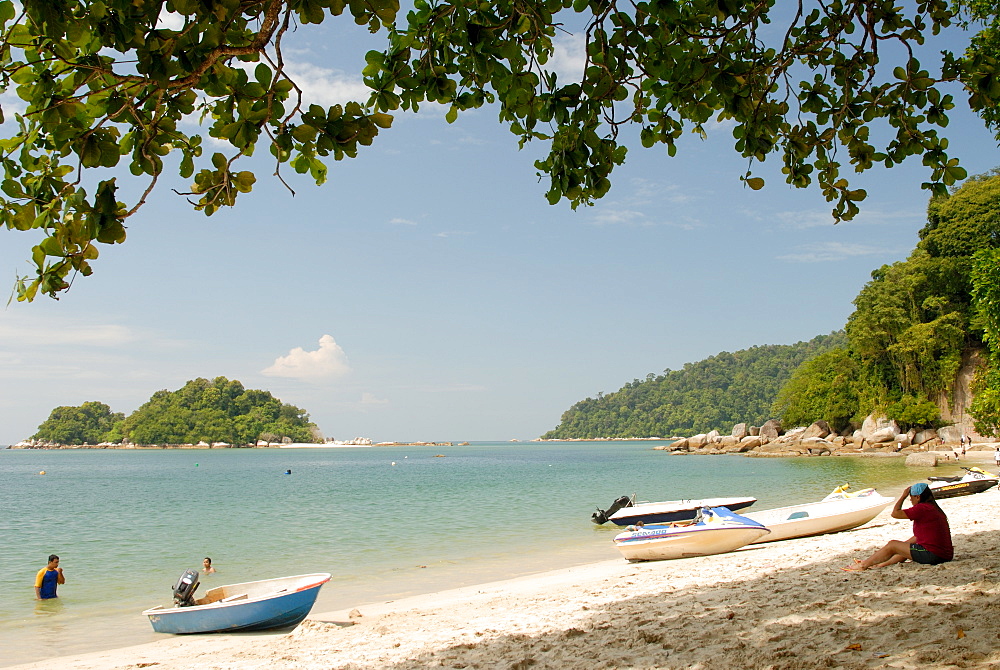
pixel 817 429
pixel 922 459
pixel 875 423
pixel 950 434
pixel 771 429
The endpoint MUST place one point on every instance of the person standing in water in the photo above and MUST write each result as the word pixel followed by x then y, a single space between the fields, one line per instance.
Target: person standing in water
pixel 48 579
pixel 206 566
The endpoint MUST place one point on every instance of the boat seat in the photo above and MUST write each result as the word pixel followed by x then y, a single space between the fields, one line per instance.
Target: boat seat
pixel 238 596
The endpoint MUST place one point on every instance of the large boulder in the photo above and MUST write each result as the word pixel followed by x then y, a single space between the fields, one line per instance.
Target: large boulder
pixel 887 434
pixel 922 459
pixel 727 441
pixel 749 442
pixel 740 431
pixel 712 437
pixel 794 435
pixel 771 429
pixel 697 441
pixel 874 423
pixel 817 429
pixel 679 445
pixel 950 434
pixel 755 430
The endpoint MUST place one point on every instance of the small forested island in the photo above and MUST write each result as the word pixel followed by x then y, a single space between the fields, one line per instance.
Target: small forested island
pixel 220 412
pixel 922 349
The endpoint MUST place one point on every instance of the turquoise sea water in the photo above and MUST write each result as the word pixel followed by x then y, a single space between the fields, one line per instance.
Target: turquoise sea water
pixel 387 522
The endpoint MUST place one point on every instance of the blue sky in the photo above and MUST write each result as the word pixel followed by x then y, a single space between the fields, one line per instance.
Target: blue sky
pixel 429 292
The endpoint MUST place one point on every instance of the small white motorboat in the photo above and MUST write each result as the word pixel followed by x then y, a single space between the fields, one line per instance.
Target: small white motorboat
pixel 626 512
pixel 716 531
pixel 260 605
pixel 818 518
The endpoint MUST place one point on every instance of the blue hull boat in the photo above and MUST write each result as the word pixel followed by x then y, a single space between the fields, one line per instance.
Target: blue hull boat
pixel 260 605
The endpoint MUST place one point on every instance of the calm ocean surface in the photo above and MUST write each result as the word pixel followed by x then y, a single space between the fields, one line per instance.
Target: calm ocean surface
pixel 127 523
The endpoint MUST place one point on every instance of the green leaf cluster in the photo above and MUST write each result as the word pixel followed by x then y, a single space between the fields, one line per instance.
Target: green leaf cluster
pixel 219 410
pixel 986 299
pixel 715 393
pixel 106 85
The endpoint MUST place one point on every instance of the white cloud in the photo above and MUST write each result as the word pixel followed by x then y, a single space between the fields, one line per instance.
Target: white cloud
pixel 830 251
pixel 169 20
pixel 614 216
pixel 327 362
pixel 398 220
pixel 568 58
pixel 371 399
pixel 867 217
pixel 98 335
pixel 323 86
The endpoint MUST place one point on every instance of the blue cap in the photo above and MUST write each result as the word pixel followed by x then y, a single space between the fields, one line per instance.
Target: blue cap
pixel 918 488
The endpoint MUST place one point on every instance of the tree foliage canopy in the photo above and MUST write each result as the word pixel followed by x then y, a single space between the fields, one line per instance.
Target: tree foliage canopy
pixel 916 319
pixel 107 83
pixel 90 423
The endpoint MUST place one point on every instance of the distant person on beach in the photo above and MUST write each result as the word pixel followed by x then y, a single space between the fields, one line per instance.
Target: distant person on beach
pixel 996 457
pixel 931 541
pixel 206 566
pixel 48 579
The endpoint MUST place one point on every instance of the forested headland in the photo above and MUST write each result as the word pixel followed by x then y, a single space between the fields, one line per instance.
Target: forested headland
pixel 216 411
pixel 916 326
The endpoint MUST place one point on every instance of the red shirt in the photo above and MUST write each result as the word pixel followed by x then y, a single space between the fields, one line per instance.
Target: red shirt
pixel 930 528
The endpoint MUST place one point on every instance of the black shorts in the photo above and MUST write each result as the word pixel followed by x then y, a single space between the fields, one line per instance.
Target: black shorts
pixel 925 556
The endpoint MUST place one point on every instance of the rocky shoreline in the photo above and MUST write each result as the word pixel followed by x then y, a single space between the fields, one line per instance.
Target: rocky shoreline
pixel 876 436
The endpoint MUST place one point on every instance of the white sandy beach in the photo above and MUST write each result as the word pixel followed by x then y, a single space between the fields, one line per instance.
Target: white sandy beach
pixel 779 605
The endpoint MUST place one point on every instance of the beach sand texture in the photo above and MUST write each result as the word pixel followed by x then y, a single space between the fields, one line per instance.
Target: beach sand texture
pixel 781 605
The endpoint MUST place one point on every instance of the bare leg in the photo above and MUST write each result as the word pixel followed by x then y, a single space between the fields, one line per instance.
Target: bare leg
pixel 892 561
pixel 893 552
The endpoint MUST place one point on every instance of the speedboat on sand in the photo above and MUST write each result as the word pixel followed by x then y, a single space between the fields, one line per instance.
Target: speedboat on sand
pixel 842 492
pixel 816 518
pixel 260 605
pixel 715 531
pixel 975 480
pixel 625 511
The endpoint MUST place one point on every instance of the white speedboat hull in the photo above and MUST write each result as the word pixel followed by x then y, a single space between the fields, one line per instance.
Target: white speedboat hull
pixel 818 518
pixel 664 542
pixel 673 510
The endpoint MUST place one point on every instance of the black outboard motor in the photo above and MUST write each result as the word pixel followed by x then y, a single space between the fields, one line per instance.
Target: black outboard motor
pixel 185 587
pixel 602 516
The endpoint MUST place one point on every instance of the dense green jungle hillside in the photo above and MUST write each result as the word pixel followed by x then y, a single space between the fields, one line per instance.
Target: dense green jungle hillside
pixel 219 410
pixel 715 393
pixel 920 330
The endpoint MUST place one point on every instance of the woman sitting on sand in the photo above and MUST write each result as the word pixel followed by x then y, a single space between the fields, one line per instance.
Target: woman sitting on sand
pixel 931 541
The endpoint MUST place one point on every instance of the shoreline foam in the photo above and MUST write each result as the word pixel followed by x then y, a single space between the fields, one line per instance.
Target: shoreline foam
pixel 785 604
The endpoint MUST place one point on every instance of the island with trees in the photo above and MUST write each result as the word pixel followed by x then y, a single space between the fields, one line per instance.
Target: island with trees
pixel 220 412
